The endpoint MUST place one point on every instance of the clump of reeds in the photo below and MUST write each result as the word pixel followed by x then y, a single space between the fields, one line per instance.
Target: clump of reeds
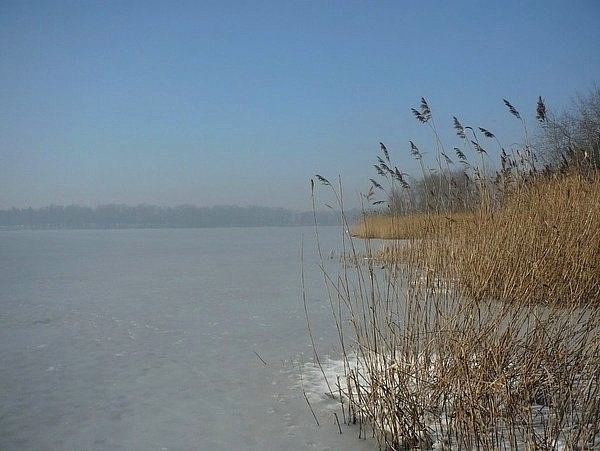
pixel 479 327
pixel 408 226
pixel 528 236
pixel 541 245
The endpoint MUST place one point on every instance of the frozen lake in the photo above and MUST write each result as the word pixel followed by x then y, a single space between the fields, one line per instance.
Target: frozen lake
pixel 155 339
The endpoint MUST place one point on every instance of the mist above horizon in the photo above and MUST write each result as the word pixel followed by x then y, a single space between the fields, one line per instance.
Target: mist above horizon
pixel 241 104
pixel 151 216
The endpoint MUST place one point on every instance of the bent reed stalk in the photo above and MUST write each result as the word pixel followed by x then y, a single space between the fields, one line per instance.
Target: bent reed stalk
pixel 475 327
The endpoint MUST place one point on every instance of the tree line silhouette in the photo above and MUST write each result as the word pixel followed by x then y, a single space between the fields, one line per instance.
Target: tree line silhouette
pixel 152 216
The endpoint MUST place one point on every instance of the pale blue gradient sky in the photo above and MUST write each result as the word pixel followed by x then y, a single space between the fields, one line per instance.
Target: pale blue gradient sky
pixel 221 102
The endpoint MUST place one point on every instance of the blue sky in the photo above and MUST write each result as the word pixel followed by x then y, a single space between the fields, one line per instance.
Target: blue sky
pixel 241 103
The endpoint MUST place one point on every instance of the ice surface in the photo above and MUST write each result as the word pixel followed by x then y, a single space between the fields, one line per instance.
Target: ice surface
pixel 149 339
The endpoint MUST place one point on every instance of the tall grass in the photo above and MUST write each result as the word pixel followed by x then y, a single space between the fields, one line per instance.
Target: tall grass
pixel 478 326
pixel 541 245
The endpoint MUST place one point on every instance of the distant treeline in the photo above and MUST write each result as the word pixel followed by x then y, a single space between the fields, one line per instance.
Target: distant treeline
pixel 150 216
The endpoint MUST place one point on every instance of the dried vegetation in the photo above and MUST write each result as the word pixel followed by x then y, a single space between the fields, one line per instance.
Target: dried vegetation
pixel 478 325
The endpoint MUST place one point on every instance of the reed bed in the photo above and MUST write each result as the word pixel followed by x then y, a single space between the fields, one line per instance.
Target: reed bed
pixel 476 328
pixel 541 245
pixel 409 226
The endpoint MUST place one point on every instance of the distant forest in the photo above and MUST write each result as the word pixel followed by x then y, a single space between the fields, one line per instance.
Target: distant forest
pixel 149 216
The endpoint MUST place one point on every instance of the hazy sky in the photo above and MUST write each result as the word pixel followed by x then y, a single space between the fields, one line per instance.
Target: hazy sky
pixel 227 102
